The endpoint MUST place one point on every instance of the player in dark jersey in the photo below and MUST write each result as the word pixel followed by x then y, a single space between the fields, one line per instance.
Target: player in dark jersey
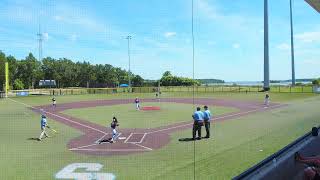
pixel 115 134
pixel 54 102
pixel 137 101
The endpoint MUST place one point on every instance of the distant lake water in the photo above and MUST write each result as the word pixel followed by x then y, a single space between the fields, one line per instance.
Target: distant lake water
pixel 259 83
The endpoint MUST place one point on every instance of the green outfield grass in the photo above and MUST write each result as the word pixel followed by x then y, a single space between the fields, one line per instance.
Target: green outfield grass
pixel 253 96
pixel 129 117
pixel 236 145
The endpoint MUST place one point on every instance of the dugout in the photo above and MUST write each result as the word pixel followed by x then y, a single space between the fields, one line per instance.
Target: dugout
pixel 2 94
pixel 281 165
pixel 316 89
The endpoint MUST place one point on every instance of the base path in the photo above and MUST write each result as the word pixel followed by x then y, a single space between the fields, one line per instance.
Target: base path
pixel 136 140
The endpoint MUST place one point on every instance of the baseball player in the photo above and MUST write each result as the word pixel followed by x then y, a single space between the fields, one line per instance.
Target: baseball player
pixel 137 101
pixel 115 134
pixel 54 102
pixel 198 123
pixel 43 124
pixel 207 119
pixel 114 125
pixel 267 100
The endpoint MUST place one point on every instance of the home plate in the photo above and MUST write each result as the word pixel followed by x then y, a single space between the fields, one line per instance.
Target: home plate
pixel 122 138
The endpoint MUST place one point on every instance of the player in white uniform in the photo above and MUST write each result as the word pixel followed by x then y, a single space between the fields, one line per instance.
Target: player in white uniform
pixel 267 100
pixel 43 125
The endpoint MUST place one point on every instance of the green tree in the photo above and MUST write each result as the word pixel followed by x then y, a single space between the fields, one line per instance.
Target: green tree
pixel 13 69
pixel 66 73
pixel 137 81
pixel 18 84
pixel 167 73
pixel 316 82
pixel 33 70
pixel 169 80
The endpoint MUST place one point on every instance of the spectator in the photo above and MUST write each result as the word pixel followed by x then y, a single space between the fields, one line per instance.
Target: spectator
pixel 313 171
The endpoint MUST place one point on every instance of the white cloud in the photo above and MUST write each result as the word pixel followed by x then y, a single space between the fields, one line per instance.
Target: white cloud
pixel 57 18
pixel 74 37
pixel 70 15
pixel 283 46
pixel 210 11
pixel 309 37
pixel 236 46
pixel 229 21
pixel 45 36
pixel 313 62
pixel 170 34
pixel 210 43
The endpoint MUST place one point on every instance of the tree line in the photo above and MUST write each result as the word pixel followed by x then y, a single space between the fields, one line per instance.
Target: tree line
pixel 170 80
pixel 26 73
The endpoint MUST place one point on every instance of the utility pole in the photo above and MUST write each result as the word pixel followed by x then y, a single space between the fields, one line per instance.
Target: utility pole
pixel 129 74
pixel 40 39
pixel 266 82
pixel 292 48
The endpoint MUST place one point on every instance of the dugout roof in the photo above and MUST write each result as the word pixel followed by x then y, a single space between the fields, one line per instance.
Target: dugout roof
pixel 315 4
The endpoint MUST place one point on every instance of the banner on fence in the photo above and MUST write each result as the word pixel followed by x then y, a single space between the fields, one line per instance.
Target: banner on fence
pixel 22 93
pixel 316 89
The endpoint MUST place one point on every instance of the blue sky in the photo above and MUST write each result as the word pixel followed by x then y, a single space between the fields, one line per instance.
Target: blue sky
pixel 228 35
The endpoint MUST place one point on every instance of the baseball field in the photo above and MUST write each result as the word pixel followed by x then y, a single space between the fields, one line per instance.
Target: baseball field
pixel 243 132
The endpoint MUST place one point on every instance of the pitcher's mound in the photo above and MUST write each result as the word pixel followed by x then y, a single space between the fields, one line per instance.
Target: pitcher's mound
pixel 150 108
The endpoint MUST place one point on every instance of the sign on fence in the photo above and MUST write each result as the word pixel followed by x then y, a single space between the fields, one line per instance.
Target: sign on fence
pixel 22 93
pixel 316 89
pixel 47 83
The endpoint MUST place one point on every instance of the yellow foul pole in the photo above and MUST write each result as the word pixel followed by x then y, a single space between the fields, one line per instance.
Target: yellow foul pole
pixel 7 78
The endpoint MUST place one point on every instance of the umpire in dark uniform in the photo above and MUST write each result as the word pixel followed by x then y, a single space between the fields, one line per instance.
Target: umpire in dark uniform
pixel 198 123
pixel 207 119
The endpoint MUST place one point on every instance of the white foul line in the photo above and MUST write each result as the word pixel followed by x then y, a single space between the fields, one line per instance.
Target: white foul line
pixel 144 135
pixel 110 150
pixel 142 146
pixel 60 117
pixel 83 146
pixel 97 141
pixel 221 117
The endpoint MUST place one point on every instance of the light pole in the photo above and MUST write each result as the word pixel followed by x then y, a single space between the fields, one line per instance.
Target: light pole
pixel 40 42
pixel 40 35
pixel 266 82
pixel 292 48
pixel 129 74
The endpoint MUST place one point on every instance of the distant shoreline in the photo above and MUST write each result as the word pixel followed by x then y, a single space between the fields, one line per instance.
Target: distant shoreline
pixel 259 83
